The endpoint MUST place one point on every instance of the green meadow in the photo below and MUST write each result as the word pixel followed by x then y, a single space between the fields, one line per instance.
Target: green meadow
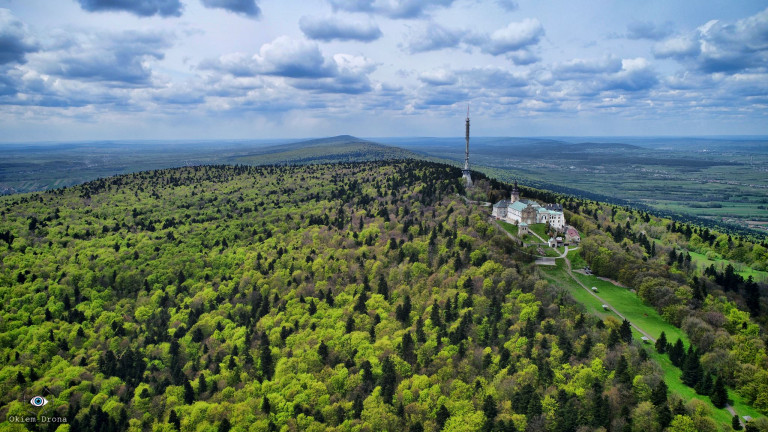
pixel 645 317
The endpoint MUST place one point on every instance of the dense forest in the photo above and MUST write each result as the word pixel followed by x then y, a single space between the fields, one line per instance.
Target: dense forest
pixel 357 296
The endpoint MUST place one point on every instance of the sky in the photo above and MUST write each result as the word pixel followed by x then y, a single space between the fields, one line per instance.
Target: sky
pixel 249 69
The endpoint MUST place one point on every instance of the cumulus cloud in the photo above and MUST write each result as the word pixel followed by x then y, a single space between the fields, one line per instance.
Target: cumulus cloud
pixel 302 63
pixel 15 40
pixel 648 30
pixel 442 96
pixel 243 7
pixel 142 8
pixel 589 77
pixel 332 28
pixel 284 57
pixel 678 47
pixel 635 75
pixel 434 37
pixel 120 59
pixel 523 57
pixel 580 67
pixel 514 37
pixel 396 9
pixel 440 77
pixel 721 47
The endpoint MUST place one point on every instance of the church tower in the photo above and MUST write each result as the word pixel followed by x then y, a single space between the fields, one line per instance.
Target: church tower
pixel 515 197
pixel 466 173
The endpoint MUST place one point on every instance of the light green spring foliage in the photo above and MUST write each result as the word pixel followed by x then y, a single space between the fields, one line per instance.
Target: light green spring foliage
pixel 325 297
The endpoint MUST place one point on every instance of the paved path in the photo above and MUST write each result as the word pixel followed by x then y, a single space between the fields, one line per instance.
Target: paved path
pixel 602 301
pixel 468 201
pixel 733 413
pixel 537 236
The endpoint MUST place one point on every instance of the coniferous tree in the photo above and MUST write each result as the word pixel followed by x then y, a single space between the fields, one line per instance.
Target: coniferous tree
pixel 265 356
pixel 625 331
pixel 322 351
pixel 705 385
pixel 719 394
pixel 357 406
pixel 360 305
pixel 407 347
pixel 613 338
pixel 659 394
pixel 692 372
pixel 189 393
pixel 677 353
pixel 534 408
pixel 265 406
pixel 173 419
pixel 661 343
pixel 622 371
pixel 736 423
pixel 224 426
pixel 490 410
pixel 664 416
pixel 442 416
pixel 383 289
pixel 388 380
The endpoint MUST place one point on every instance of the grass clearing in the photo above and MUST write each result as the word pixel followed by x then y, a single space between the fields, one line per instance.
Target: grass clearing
pixel 650 321
pixel 508 227
pixel 702 262
pixel 632 307
pixel 577 262
pixel 540 229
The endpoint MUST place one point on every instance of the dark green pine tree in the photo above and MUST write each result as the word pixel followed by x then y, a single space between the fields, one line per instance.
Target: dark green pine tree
pixel 189 393
pixel 388 380
pixel 625 331
pixel 622 371
pixel 664 416
pixel 265 357
pixel 692 372
pixel 704 386
pixel 661 343
pixel 736 423
pixel 677 353
pixel 613 338
pixel 383 289
pixel 357 406
pixel 442 416
pixel 224 426
pixel 173 419
pixel 360 305
pixel 322 351
pixel 490 410
pixel 659 394
pixel 534 406
pixel 265 406
pixel 719 394
pixel 406 349
pixel 601 415
pixel 567 416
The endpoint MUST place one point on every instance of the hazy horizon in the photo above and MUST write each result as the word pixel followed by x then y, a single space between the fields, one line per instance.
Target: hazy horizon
pixel 85 70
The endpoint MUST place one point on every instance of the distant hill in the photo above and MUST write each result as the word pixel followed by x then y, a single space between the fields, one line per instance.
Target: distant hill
pixel 342 148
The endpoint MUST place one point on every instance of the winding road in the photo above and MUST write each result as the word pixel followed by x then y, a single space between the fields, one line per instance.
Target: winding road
pixel 568 270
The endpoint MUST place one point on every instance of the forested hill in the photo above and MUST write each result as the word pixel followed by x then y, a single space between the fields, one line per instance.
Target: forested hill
pixel 342 148
pixel 340 297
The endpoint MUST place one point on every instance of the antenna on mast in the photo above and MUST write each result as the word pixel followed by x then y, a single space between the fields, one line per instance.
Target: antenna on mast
pixel 466 172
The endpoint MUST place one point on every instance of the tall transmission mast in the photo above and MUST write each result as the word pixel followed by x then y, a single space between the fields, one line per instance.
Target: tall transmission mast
pixel 465 172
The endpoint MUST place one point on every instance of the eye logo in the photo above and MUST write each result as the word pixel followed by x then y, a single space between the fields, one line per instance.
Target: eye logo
pixel 38 401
